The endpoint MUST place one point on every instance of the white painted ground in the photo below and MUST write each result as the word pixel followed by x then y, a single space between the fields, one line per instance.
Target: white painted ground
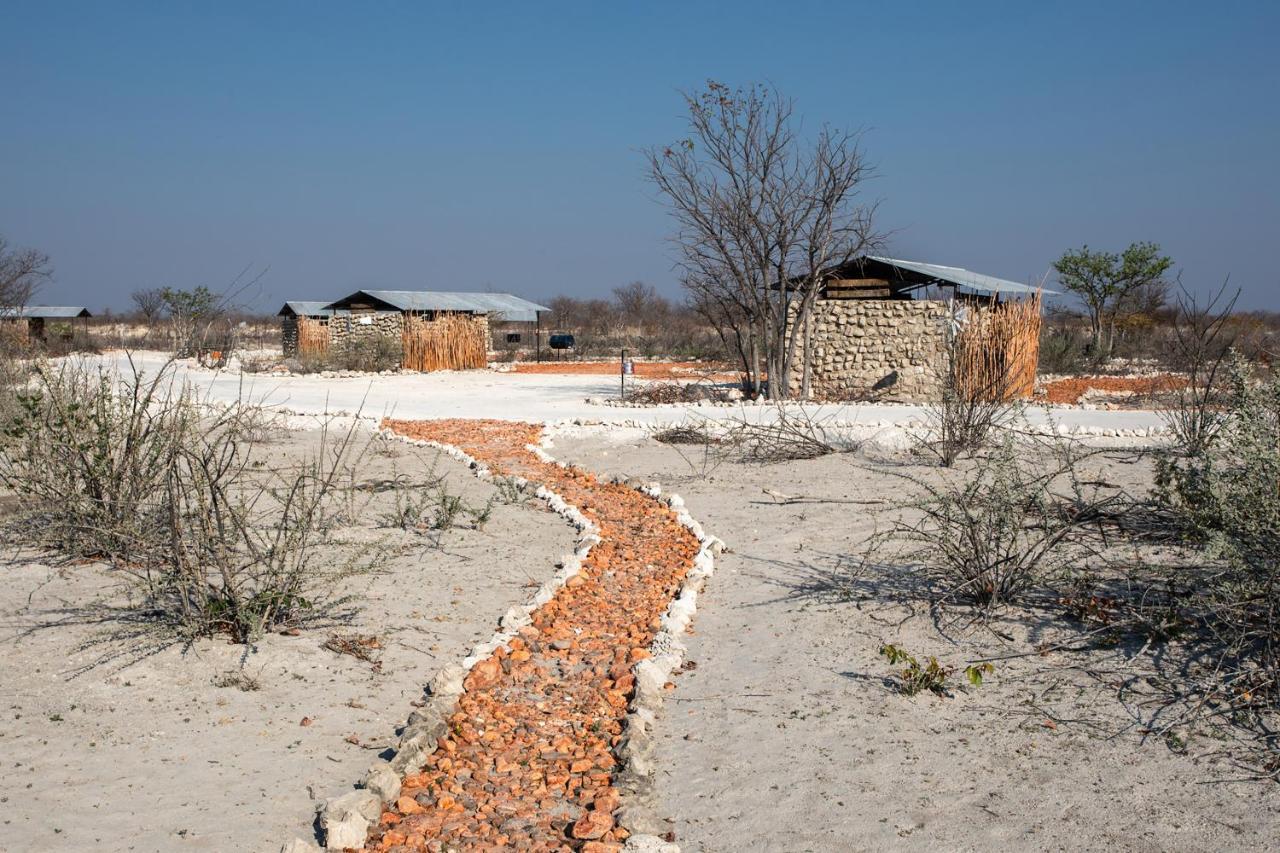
pixel 542 398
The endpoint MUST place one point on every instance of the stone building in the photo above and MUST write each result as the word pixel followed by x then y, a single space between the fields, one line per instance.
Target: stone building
pixel 879 327
pixel 295 312
pixel 453 328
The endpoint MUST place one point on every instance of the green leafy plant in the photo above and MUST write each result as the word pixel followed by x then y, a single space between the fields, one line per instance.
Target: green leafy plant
pixel 915 677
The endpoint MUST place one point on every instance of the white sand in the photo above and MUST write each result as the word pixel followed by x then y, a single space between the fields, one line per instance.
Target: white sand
pixel 154 757
pixel 786 735
pixel 532 397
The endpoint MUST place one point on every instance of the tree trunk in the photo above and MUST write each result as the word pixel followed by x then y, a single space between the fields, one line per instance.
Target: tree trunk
pixel 806 353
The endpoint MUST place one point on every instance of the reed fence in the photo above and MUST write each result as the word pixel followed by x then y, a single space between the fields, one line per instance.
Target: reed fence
pixel 313 337
pixel 997 351
pixel 448 342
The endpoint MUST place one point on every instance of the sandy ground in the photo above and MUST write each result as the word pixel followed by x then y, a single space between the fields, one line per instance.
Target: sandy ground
pixel 786 734
pixel 532 397
pixel 154 756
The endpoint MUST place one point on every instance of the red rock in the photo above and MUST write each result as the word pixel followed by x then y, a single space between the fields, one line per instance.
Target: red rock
pixel 593 825
pixel 408 805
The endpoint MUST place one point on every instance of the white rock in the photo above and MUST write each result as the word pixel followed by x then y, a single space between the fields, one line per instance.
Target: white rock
pixel 298 845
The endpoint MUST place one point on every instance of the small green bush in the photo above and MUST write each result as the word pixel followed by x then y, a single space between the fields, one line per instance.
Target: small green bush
pixel 915 677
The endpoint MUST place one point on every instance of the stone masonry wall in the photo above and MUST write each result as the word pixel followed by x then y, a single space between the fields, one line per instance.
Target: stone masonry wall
pixel 887 349
pixel 351 329
pixel 289 336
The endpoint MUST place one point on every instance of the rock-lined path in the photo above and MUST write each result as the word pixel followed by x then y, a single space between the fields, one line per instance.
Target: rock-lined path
pixel 529 758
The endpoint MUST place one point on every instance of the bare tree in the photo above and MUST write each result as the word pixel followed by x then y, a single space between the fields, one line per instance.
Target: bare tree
pixel 22 272
pixel 763 215
pixel 1202 341
pixel 150 303
pixel 641 303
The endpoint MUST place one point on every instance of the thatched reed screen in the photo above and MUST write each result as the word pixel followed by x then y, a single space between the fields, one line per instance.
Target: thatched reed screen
pixel 313 337
pixel 997 351
pixel 449 342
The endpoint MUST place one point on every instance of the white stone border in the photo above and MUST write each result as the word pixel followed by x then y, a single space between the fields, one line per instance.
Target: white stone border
pixel 1051 429
pixel 345 819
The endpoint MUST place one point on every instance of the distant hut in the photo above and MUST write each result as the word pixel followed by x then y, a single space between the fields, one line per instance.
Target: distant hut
pixel 304 328
pixel 33 322
pixel 429 330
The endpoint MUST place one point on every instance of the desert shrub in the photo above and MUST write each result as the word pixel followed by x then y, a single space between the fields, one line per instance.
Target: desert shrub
pixel 511 490
pixel 430 508
pixel 89 456
pixel 698 434
pixel 1010 525
pixel 259 363
pixel 1200 347
pixel 134 470
pixel 785 434
pixel 1064 350
pixel 364 355
pixel 367 354
pixel 1226 493
pixel 969 408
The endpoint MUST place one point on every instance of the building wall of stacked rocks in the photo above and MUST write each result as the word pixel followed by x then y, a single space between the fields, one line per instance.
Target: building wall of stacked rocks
pixel 885 349
pixel 289 336
pixel 363 328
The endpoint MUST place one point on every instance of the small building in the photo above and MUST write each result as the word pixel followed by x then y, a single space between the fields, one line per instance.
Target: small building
pixel 880 326
pixel 31 322
pixel 298 312
pixel 430 330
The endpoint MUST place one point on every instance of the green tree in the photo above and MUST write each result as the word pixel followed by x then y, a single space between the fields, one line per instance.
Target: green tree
pixel 1109 285
pixel 190 313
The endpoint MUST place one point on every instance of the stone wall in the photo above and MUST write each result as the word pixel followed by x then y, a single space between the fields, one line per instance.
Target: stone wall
pixel 289 336
pixel 362 328
pixel 886 349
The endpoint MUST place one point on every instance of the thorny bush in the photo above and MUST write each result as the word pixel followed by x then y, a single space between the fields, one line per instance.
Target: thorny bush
pixel 135 470
pixel 1003 529
pixel 1227 494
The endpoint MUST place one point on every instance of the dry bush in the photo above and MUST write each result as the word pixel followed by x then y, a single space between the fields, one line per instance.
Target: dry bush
pixel 1005 527
pixel 790 434
pixel 136 471
pixel 661 393
pixel 364 355
pixel 1226 494
pixel 965 416
pixel 990 363
pixel 685 434
pixel 429 508
pixel 1202 339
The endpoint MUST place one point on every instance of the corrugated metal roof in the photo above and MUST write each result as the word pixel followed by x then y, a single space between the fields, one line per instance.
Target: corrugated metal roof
pixel 306 309
pixel 963 278
pixel 46 312
pixel 510 307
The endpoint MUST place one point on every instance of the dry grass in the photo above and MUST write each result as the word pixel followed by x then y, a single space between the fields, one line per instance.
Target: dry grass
pixel 449 342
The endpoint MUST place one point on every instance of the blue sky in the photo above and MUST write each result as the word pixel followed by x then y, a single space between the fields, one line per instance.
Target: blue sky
pixel 471 146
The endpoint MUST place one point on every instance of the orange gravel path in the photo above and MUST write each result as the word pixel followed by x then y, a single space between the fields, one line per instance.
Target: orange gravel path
pixel 643 369
pixel 529 761
pixel 1071 389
